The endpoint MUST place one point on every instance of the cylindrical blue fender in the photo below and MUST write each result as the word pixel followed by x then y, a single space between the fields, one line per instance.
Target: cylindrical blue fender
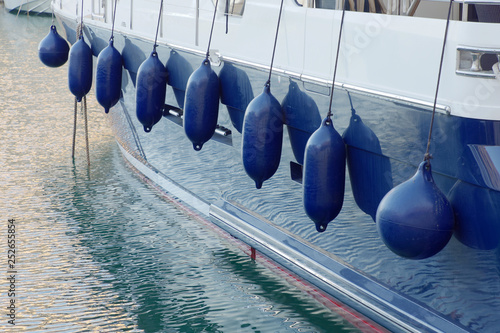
pixel 262 137
pixel 53 49
pixel 80 69
pixel 415 219
pixel 324 175
pixel 201 106
pixel 151 90
pixel 108 80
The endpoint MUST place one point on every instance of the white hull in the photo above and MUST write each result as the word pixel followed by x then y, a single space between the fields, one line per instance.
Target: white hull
pixel 389 64
pixel 28 6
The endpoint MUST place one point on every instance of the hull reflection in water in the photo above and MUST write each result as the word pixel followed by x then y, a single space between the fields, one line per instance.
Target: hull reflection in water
pixel 385 140
pixel 98 250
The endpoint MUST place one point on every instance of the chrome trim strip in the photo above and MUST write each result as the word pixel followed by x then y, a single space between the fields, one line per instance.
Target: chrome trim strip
pixel 294 257
pixel 483 75
pixel 297 258
pixel 245 63
pixel 479 2
pixel 323 82
pixel 315 80
pixel 477 49
pixel 445 109
pixel 97 16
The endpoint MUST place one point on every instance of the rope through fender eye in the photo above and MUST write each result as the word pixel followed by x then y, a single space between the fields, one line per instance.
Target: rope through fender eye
pixel 212 29
pixel 158 26
pixel 113 25
pixel 336 61
pixel 427 155
pixel 268 83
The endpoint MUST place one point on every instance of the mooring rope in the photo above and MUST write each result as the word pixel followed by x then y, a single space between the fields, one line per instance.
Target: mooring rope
pixel 427 155
pixel 353 111
pixel 19 11
pixel 227 15
pixel 211 30
pixel 336 62
pixel 268 83
pixel 85 117
pixel 74 130
pixel 81 23
pixel 79 34
pixel 158 26
pixel 113 24
pixel 86 129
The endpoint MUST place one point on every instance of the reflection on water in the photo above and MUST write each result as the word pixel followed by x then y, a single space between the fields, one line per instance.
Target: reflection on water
pixel 370 172
pixel 97 249
pixel 301 117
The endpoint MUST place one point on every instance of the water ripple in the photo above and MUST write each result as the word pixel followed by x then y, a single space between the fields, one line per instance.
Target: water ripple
pixel 99 251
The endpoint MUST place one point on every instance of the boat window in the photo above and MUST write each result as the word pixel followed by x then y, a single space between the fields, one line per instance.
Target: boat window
pixel 466 10
pixel 488 13
pixel 99 10
pixel 233 7
pixel 325 4
pixel 372 6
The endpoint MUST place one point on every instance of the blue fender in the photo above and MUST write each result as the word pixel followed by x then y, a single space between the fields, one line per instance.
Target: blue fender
pixel 108 79
pixel 262 137
pixel 53 49
pixel 151 91
pixel 324 175
pixel 201 106
pixel 80 69
pixel 415 219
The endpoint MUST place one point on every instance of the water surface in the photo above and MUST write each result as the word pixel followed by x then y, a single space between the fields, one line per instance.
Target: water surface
pixel 97 249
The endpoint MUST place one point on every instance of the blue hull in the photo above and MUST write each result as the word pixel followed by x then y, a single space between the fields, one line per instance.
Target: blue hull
pixel 456 290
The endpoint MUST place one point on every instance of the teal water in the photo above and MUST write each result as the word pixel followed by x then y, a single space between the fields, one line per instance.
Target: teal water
pixel 97 249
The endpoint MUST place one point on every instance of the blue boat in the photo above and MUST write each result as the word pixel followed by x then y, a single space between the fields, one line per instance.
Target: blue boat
pixel 371 93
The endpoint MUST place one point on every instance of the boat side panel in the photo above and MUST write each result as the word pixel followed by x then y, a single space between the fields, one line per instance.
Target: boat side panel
pixel 448 282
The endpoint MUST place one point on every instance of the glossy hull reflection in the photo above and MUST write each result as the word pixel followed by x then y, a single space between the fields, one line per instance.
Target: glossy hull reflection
pixel 98 251
pixel 385 143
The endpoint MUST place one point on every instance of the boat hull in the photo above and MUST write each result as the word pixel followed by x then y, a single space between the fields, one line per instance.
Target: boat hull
pixel 349 260
pixel 33 7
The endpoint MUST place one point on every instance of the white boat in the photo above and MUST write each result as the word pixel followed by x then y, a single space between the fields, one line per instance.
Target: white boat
pixel 385 96
pixel 30 7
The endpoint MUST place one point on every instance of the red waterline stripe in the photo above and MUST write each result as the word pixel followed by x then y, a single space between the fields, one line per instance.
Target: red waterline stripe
pixel 353 317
